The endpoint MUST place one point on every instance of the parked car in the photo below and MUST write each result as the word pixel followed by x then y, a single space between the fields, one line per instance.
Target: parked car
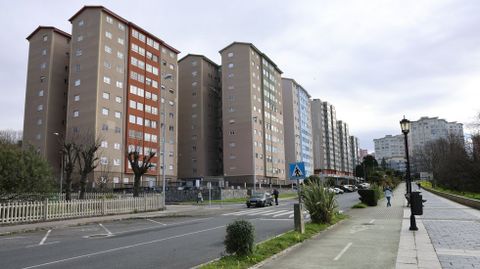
pixel 260 199
pixel 350 188
pixel 338 190
pixel 345 188
pixel 364 186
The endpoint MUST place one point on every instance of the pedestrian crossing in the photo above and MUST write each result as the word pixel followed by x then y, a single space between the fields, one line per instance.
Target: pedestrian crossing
pixel 276 213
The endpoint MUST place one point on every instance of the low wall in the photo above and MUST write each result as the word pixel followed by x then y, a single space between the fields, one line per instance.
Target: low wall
pixel 457 198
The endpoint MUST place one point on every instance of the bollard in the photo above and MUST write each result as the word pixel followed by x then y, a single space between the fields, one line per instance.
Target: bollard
pixel 298 218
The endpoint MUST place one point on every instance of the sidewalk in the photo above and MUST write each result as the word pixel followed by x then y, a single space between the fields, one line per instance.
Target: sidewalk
pixel 171 211
pixel 368 239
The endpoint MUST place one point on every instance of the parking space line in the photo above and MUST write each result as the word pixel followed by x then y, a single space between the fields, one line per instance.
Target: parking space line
pixel 373 220
pixel 343 251
pixel 89 255
pixel 156 222
pixel 105 228
pixel 44 238
pixel 45 244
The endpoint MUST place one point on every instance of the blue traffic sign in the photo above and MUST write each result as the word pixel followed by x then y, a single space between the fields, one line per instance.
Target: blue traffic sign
pixel 296 170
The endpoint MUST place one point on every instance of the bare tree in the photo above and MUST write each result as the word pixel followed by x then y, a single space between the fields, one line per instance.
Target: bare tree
pixel 103 180
pixel 70 156
pixel 140 165
pixel 87 161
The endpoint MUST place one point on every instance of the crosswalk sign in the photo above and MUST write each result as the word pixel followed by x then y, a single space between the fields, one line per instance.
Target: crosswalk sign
pixel 297 170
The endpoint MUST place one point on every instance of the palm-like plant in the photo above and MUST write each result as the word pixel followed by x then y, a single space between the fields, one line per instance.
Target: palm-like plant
pixel 319 201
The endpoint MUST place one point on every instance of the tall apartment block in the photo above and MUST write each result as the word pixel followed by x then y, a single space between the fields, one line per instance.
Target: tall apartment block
pixel 428 129
pixel 200 121
pixel 122 92
pixel 46 94
pixel 355 158
pixel 392 150
pixel 253 138
pixel 318 134
pixel 297 124
pixel 344 148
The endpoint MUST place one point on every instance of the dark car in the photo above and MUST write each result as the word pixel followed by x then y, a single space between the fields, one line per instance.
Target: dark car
pixel 260 199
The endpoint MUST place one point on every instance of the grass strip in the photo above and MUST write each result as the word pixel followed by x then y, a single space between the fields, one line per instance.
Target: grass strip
pixel 271 247
pixel 428 185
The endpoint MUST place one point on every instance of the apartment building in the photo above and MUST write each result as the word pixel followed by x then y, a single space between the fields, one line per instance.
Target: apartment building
pixel 122 92
pixel 318 134
pixel 355 158
pixel 392 150
pixel 297 125
pixel 200 145
pixel 344 149
pixel 46 93
pixel 253 138
pixel 426 130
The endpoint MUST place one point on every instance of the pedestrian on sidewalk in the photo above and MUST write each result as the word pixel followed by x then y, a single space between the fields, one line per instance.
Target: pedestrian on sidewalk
pixel 199 197
pixel 275 195
pixel 388 195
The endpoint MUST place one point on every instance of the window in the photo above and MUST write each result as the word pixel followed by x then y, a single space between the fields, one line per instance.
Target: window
pixel 40 93
pixel 119 55
pixel 116 146
pixel 39 107
pixel 107 64
pixel 230 65
pixel 76 98
pixel 121 27
pixel 230 55
pixel 105 111
pixel 194 63
pixel 106 80
pixel 43 65
pixel 120 41
pixel 104 144
pixel 109 20
pixel 116 162
pixel 78 52
pixel 39 122
pixel 118 115
pixel 119 84
pixel 44 52
pixel 77 68
pixel 39 136
pixel 108 35
pixel 76 113
pixel 104 127
pixel 106 95
pixel 45 38
pixel 139 120
pixel 132 104
pixel 117 130
pixel 77 82
pixel 131 118
pixel 104 160
pixel 108 49
pixel 118 99
pixel 81 23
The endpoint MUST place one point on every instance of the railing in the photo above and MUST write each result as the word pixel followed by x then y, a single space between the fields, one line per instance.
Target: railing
pixel 18 212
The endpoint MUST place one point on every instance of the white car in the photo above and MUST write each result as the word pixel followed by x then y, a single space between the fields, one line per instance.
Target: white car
pixel 338 190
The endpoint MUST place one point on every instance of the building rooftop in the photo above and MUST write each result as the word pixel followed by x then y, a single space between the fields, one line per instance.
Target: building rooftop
pixel 67 35
pixel 201 56
pixel 256 49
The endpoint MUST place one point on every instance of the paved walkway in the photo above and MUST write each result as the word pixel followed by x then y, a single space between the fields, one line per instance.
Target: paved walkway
pixel 368 239
pixel 448 237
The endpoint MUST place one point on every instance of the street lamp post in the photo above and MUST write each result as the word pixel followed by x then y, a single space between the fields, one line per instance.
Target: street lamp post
pixel 405 125
pixel 62 164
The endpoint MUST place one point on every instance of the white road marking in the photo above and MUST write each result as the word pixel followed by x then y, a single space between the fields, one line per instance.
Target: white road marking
pixel 44 238
pixel 105 228
pixel 285 213
pixel 260 212
pixel 10 238
pixel 275 212
pixel 155 227
pixel 273 219
pixel 121 248
pixel 241 212
pixel 291 216
pixel 154 221
pixel 372 221
pixel 343 251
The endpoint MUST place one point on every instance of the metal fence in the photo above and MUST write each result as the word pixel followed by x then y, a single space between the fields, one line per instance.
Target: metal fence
pixel 18 212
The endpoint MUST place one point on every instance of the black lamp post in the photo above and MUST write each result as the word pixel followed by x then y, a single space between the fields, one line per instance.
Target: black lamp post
pixel 405 125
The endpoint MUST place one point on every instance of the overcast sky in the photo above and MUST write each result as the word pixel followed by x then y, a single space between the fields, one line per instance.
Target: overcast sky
pixel 375 61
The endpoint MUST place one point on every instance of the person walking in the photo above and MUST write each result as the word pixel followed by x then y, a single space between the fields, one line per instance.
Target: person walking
pixel 275 195
pixel 199 197
pixel 388 195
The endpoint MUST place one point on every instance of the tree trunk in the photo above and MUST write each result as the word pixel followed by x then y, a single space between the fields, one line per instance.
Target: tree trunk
pixel 83 183
pixel 136 186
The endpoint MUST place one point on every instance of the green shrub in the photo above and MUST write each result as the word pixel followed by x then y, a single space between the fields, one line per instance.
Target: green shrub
pixel 319 201
pixel 368 197
pixel 359 205
pixel 240 238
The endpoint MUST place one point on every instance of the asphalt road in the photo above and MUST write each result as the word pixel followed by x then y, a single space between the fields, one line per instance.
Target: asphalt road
pixel 180 242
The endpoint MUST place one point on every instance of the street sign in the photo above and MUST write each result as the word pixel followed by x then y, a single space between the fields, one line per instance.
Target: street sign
pixel 296 170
